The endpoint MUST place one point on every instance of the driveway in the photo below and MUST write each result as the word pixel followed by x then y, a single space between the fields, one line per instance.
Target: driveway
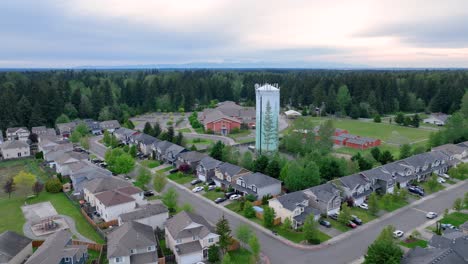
pixel 330 231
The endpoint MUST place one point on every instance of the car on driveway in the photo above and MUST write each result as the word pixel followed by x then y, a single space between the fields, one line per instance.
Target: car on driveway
pixel 220 200
pixel 416 190
pixel 398 233
pixel 324 223
pixel 440 180
pixel 431 215
pixel 445 176
pixel 197 189
pixel 333 216
pixel 211 187
pixel 235 197
pixel 351 224
pixel 356 220
pixel 228 194
pixel 148 193
pixel 172 171
pixel 196 181
pixel 364 206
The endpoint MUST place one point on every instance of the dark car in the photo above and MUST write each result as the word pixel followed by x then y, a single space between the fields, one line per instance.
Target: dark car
pixel 356 220
pixel 220 200
pixel 333 216
pixel 416 190
pixel 174 170
pixel 229 194
pixel 196 181
pixel 324 223
pixel 211 183
pixel 148 193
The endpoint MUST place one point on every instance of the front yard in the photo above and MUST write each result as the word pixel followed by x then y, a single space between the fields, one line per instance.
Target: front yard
pixel 414 242
pixel 455 218
pixel 150 164
pixel 181 178
pixel 213 195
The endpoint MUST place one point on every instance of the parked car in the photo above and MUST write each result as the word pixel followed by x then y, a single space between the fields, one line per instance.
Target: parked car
pixel 211 183
pixel 148 193
pixel 446 176
pixel 364 206
pixel 235 197
pixel 196 181
pixel 211 187
pixel 431 215
pixel 128 178
pixel 251 148
pixel 448 226
pixel 228 194
pixel 416 190
pixel 172 171
pixel 440 180
pixel 333 216
pixel 325 223
pixel 351 224
pixel 220 200
pixel 398 233
pixel 197 189
pixel 356 220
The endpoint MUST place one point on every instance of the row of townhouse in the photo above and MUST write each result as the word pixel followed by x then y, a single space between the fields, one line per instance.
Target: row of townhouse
pixel 326 199
pixel 94 127
pixel 207 169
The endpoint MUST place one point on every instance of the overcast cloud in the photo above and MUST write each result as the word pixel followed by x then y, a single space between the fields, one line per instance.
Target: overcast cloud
pixel 376 33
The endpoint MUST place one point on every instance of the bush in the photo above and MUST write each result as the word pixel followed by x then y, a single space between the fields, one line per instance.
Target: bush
pixel 265 199
pixel 249 212
pixel 218 189
pixel 251 197
pixel 235 130
pixel 39 155
pixel 53 185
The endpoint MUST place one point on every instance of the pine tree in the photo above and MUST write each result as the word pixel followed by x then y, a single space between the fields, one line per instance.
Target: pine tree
pixel 270 134
pixel 148 129
pixel 224 232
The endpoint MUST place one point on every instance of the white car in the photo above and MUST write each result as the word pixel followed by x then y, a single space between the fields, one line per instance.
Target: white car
pixel 445 176
pixel 431 215
pixel 398 233
pixel 197 189
pixel 211 187
pixel 440 180
pixel 235 197
pixel 364 206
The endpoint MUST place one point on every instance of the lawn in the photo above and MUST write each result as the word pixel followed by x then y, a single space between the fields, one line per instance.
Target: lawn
pixel 392 205
pixel 338 225
pixel 199 130
pixel 241 256
pixel 242 133
pixel 12 167
pixel 181 178
pixel 363 214
pixel 166 169
pixel 14 219
pixel 414 243
pixel 185 130
pixel 212 195
pixel 427 190
pixel 150 163
pixel 92 255
pixel 455 218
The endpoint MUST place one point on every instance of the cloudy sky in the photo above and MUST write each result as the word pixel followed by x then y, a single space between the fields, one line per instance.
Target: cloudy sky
pixel 293 33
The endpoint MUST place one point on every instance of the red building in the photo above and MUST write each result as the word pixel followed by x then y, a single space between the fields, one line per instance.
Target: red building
pixel 220 123
pixel 356 142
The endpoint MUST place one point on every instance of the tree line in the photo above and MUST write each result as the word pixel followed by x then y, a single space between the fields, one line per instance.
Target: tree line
pixel 33 98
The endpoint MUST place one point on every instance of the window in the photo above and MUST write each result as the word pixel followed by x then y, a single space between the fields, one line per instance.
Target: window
pixel 210 240
pixel 67 259
pixel 118 259
pixel 150 248
pixel 178 241
pixel 132 251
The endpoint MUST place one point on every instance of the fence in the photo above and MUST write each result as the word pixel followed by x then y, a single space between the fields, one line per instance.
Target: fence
pixel 93 224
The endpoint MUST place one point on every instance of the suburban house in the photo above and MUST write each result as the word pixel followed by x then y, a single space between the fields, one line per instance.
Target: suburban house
pixel 425 164
pixel 110 125
pixel 93 126
pixel 132 242
pixel 191 158
pixel 14 149
pixel 356 188
pixel 48 146
pixel 43 131
pixel 325 197
pixel 296 206
pixel 144 142
pixel 159 149
pixel 65 129
pixel 14 248
pixel 226 173
pixel 110 204
pixel 382 181
pixel 99 185
pixel 17 133
pixel 172 153
pixel 436 119
pixel 123 134
pixel 449 248
pixel 214 120
pixel 457 153
pixel 206 168
pixel 67 158
pixel 257 184
pixel 83 172
pixel 58 249
pixel 152 214
pixel 189 236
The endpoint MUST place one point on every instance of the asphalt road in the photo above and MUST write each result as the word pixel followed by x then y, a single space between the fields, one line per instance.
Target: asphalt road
pixel 96 148
pixel 349 248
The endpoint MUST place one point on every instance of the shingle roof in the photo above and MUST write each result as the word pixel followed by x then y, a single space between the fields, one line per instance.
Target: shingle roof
pixel 39 130
pixel 290 200
pixel 215 115
pixel 353 180
pixel 192 156
pixel 111 198
pixel 187 248
pixel 15 129
pixel 177 225
pixel 124 131
pixel 209 163
pixel 307 211
pixel 325 192
pixel 230 169
pixel 144 212
pixel 377 173
pixel 130 235
pixel 450 149
pixel 260 180
pixel 14 144
pixel 162 145
pixel 11 244
pixel 110 124
pixel 145 139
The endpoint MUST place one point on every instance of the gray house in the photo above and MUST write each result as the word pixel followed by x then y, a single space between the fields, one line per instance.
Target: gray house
pixel 355 187
pixel 191 158
pixel 58 249
pixel 325 197
pixel 154 215
pixel 206 168
pixel 132 242
pixel 124 134
pixel 17 133
pixel 145 143
pixel 257 184
pixel 296 206
pixel 14 248
pixel 172 153
pixel 110 125
pixel 226 173
pixel 159 149
pixel 382 181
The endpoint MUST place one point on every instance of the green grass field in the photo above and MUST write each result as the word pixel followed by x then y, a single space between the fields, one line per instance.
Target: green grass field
pixel 241 256
pixel 185 130
pixel 455 218
pixel 414 243
pixel 212 195
pixel 10 168
pixel 181 178
pixel 150 163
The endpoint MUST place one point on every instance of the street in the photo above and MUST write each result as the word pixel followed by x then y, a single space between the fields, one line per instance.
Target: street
pixel 344 248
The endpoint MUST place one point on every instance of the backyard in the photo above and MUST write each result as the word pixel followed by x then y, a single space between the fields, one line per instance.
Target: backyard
pixel 181 178
pixel 12 167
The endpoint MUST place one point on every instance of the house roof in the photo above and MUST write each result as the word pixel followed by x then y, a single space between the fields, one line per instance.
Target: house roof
pixel 185 224
pixel 15 129
pixel 39 130
pixel 230 169
pixel 187 248
pixel 99 185
pixel 70 155
pixel 192 156
pixel 92 124
pixel 110 124
pixel 353 180
pixel 124 131
pixel 14 144
pixel 66 127
pixel 377 173
pixel 307 211
pixel 144 212
pixel 450 149
pixel 209 163
pixel 144 258
pixel 145 139
pixel 260 180
pixel 162 145
pixel 11 244
pixel 112 198
pixel 128 236
pixel 290 200
pixel 174 150
pixel 216 114
pixel 54 249
pixel 325 192
pixel 129 190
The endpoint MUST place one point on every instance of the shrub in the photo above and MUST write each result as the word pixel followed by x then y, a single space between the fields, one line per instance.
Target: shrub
pixel 249 212
pixel 53 185
pixel 39 155
pixel 265 199
pixel 250 197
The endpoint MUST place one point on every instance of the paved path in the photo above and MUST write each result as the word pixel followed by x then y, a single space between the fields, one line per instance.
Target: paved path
pixel 225 140
pixel 71 224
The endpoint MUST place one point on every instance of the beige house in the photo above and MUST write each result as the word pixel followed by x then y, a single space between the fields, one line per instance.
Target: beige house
pixel 14 248
pixel 17 133
pixel 189 236
pixel 15 149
